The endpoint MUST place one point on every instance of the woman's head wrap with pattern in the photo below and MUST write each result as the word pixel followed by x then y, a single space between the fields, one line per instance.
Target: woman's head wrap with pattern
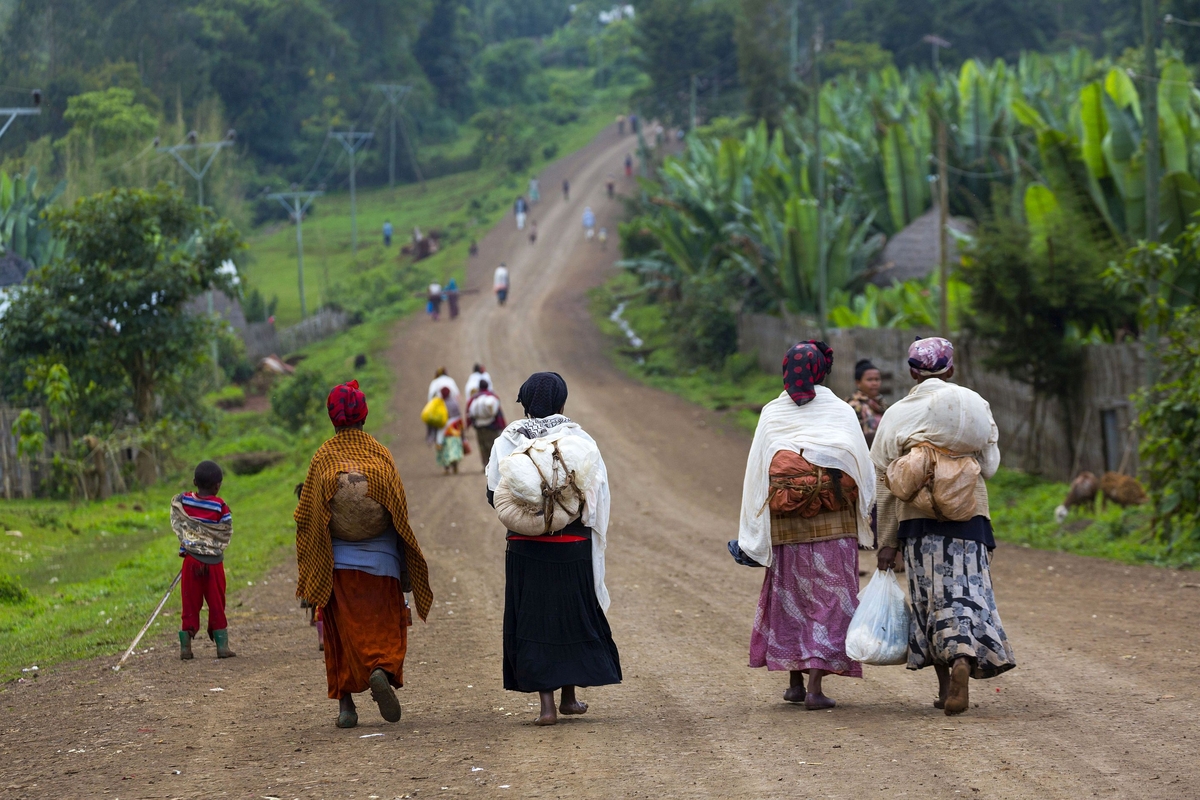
pixel 806 365
pixel 544 394
pixel 347 405
pixel 931 356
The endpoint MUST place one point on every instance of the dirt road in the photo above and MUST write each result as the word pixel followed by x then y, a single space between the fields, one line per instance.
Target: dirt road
pixel 1104 702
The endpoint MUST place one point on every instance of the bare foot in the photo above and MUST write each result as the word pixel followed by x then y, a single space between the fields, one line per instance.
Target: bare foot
pixel 570 704
pixel 817 702
pixel 943 676
pixel 575 707
pixel 958 698
pixel 548 715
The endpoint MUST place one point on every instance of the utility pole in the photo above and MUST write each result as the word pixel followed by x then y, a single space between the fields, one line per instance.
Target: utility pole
pixel 396 94
pixel 26 111
pixel 692 105
pixel 794 39
pixel 822 266
pixel 192 144
pixel 352 141
pixel 936 43
pixel 1150 112
pixel 292 202
pixel 943 219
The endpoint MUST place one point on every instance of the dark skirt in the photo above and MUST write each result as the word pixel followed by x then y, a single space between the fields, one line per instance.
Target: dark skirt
pixel 555 633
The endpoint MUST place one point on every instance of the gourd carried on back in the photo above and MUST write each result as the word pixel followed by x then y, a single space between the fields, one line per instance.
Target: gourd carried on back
pixel 353 516
pixel 939 471
pixel 543 483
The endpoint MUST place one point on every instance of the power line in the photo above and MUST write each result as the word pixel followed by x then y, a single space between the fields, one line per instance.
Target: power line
pixel 198 172
pixel 292 202
pixel 352 141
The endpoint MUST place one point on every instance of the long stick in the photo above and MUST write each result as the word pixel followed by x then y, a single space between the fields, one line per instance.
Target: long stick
pixel 150 621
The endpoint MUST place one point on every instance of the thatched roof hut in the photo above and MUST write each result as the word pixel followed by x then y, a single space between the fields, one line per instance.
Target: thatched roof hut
pixel 913 252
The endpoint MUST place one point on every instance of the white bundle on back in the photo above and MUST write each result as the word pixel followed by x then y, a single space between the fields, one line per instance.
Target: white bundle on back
pixel 534 462
pixel 484 409
pixel 948 416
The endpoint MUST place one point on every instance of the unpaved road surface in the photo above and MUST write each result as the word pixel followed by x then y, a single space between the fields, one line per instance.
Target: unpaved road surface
pixel 1103 704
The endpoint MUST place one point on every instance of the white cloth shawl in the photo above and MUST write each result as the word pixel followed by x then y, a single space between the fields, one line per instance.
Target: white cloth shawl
pixel 826 432
pixel 943 414
pixel 597 500
pixel 472 386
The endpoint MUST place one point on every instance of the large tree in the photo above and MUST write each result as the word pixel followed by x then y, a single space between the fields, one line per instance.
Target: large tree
pixel 678 39
pixel 112 309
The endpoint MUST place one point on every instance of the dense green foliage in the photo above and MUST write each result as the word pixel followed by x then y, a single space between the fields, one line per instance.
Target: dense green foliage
pixel 111 310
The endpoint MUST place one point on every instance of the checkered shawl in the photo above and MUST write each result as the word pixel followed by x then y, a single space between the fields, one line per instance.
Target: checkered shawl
pixel 351 450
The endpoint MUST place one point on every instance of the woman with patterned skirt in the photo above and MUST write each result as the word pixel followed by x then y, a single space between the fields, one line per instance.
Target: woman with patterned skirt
pixel 955 628
pixel 806 506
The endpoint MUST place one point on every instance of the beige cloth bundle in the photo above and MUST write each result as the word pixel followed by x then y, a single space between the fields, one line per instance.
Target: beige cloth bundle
pixel 535 520
pixel 936 482
pixel 353 516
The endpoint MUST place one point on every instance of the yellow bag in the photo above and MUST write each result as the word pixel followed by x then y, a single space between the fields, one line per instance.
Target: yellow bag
pixel 435 414
pixel 936 482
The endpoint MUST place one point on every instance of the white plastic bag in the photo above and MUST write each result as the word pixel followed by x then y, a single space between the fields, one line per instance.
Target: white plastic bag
pixel 878 633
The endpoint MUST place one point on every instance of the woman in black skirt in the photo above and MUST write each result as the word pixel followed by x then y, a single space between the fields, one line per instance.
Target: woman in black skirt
pixel 555 633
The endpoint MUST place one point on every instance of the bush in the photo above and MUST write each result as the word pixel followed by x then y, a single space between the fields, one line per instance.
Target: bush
pixel 297 401
pixel 11 590
pixel 231 356
pixel 1169 417
pixel 550 151
pixel 228 397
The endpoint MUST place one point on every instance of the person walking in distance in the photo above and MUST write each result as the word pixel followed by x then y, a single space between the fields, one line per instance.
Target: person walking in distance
pixel 487 417
pixel 566 189
pixel 533 232
pixel 620 124
pixel 433 302
pixel 806 504
pixel 589 223
pixel 387 233
pixel 603 237
pixel 610 186
pixel 478 374
pixel 204 525
pixel 944 527
pixel 535 191
pixel 500 284
pixel 452 298
pixel 520 210
pixel 628 165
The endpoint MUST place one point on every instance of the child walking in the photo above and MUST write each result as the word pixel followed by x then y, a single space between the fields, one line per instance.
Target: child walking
pixel 204 525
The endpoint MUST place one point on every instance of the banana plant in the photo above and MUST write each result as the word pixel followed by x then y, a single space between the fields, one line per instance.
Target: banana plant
pixel 22 230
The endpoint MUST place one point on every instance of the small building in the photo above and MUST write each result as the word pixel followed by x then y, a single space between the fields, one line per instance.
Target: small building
pixel 913 252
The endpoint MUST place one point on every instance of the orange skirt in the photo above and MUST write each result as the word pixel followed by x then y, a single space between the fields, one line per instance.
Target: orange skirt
pixel 366 628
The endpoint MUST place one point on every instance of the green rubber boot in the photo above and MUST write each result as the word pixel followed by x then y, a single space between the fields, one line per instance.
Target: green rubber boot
pixel 185 646
pixel 221 637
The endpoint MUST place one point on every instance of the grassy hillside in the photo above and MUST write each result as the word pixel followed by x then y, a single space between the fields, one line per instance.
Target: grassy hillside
pixel 461 207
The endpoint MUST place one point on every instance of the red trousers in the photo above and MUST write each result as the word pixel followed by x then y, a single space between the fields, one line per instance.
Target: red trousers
pixel 203 583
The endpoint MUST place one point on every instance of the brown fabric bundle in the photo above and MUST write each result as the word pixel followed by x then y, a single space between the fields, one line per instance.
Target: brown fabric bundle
pixel 353 516
pixel 351 451
pixel 936 482
pixel 797 488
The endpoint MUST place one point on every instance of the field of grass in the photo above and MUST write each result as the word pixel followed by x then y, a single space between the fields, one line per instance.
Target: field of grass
pixel 1022 505
pixel 460 207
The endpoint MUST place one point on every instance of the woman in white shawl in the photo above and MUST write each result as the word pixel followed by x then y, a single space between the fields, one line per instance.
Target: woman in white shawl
pixel 555 632
pixel 806 507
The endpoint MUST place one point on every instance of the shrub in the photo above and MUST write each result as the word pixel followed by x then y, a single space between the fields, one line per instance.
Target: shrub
pixel 550 151
pixel 297 401
pixel 228 397
pixel 1169 417
pixel 11 590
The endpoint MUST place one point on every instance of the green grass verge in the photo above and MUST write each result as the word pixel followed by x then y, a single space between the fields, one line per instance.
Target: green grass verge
pixel 1022 505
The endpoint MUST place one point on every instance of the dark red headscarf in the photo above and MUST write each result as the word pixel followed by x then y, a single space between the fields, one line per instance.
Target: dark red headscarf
pixel 804 366
pixel 347 405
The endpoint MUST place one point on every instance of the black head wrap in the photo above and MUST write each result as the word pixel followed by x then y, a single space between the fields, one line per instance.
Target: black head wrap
pixel 543 395
pixel 862 367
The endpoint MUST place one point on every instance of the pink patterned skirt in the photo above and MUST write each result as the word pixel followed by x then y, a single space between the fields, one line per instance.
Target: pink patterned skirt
pixel 808 596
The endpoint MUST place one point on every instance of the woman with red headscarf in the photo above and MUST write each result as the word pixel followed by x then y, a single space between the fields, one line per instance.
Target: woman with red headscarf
pixel 357 556
pixel 806 507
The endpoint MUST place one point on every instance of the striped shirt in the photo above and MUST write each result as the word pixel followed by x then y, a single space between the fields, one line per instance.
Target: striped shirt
pixel 211 510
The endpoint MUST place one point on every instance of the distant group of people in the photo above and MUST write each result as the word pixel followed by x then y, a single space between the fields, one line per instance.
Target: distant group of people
pixel 437 294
